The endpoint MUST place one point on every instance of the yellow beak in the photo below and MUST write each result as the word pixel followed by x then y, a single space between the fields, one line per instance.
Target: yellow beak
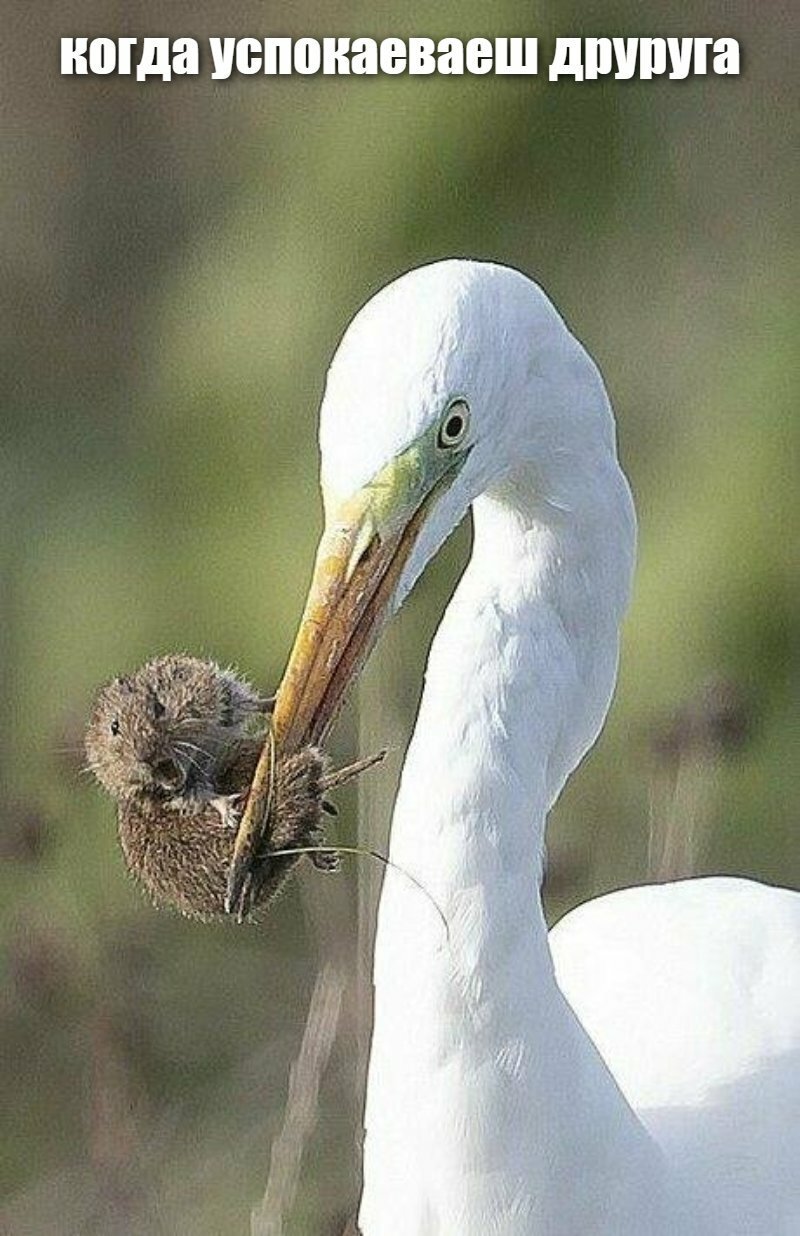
pixel 367 542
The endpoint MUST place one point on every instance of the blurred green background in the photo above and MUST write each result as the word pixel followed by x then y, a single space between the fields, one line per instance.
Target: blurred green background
pixel 179 262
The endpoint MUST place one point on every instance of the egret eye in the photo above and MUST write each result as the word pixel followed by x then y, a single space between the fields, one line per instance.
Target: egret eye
pixel 114 727
pixel 455 424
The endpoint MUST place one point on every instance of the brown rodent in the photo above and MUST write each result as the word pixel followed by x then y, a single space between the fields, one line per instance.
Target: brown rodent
pixel 162 730
pixel 173 744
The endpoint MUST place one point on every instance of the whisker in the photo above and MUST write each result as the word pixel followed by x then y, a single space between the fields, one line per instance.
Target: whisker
pixel 184 722
pixel 188 755
pixel 193 746
pixel 187 749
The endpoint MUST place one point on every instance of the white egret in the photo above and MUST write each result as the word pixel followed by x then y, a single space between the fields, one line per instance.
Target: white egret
pixel 634 1073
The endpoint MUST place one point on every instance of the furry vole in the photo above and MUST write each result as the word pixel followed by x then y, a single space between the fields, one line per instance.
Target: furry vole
pixel 162 730
pixel 174 744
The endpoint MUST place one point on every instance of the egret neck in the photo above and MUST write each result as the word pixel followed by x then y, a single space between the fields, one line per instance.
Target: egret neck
pixel 489 1109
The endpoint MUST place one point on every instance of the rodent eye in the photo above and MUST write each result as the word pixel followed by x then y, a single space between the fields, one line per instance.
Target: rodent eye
pixel 158 708
pixel 455 424
pixel 114 727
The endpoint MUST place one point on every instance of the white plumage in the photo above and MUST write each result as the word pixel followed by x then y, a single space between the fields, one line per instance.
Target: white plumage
pixel 636 1072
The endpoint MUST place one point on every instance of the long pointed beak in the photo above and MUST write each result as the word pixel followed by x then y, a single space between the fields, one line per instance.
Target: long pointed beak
pixel 367 542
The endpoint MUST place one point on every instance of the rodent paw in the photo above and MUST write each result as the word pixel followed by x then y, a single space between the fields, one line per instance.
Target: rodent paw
pixel 229 808
pixel 325 861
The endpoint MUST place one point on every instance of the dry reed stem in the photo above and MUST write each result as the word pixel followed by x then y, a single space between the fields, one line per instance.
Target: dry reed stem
pixel 682 802
pixel 302 1103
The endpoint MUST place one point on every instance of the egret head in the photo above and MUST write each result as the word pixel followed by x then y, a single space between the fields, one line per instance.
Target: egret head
pixel 444 383
pixel 464 363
